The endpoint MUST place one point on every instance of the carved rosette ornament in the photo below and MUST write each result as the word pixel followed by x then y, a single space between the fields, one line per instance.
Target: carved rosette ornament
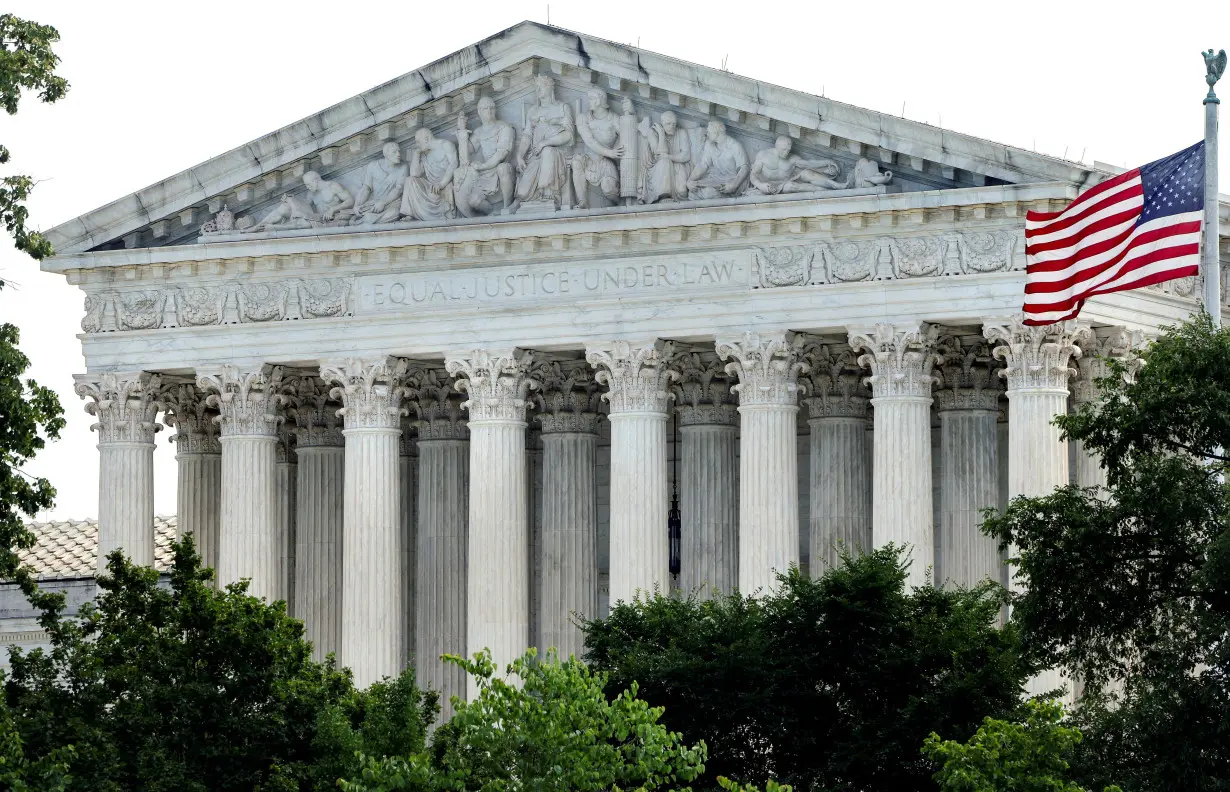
pixel 247 401
pixel 371 391
pixel 568 397
pixel 429 393
pixel 768 367
pixel 314 413
pixel 1037 357
pixel 900 358
pixel 497 383
pixel 195 424
pixel 966 375
pixel 835 382
pixel 1114 343
pixel 703 395
pixel 126 406
pixel 637 375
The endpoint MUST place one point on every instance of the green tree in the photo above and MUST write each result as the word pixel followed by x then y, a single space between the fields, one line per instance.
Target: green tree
pixel 29 413
pixel 17 774
pixel 553 731
pixel 187 687
pixel 1129 589
pixel 830 683
pixel 1003 756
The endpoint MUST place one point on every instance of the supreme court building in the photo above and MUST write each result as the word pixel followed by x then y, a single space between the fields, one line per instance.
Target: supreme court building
pixel 439 360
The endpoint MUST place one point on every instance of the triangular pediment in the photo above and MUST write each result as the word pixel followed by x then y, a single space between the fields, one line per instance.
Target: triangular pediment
pixel 230 195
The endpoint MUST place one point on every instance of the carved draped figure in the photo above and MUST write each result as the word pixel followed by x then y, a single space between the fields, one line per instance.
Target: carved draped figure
pixel 436 164
pixel 669 162
pixel 545 173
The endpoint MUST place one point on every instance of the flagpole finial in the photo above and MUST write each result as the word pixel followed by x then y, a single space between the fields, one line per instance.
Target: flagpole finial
pixel 1215 66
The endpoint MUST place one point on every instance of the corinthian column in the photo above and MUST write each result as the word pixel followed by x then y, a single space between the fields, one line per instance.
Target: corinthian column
pixel 901 358
pixel 126 407
pixel 441 512
pixel 1037 372
pixel 319 513
pixel 568 580
pixel 968 404
pixel 288 473
pixel 408 475
pixel 1113 343
pixel 840 513
pixel 249 543
pixel 767 367
pixel 497 593
pixel 198 455
pixel 372 617
pixel 637 379
pixel 709 477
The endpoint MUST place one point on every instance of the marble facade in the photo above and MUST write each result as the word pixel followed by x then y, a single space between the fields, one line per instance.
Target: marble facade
pixel 428 355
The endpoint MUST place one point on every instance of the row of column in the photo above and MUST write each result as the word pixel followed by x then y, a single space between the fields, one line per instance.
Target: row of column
pixel 426 539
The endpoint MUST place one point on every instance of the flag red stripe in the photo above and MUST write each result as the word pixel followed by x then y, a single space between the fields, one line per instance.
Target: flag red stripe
pixel 1071 220
pixel 1127 216
pixel 1116 283
pixel 1086 196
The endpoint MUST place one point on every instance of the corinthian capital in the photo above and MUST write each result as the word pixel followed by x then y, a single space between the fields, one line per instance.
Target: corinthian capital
pixel 966 375
pixel 247 401
pixel 437 409
pixel 497 383
pixel 370 391
pixel 1103 346
pixel 901 358
pixel 637 374
pixel 313 412
pixel 126 405
pixel 568 397
pixel 196 425
pixel 703 395
pixel 835 382
pixel 768 366
pixel 1036 357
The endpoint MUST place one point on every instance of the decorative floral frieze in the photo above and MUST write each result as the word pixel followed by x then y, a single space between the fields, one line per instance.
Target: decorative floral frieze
pixel 313 412
pixel 437 408
pixel 784 266
pixel 1036 357
pixel 835 382
pixel 986 251
pixel 248 402
pixel 767 366
pixel 966 378
pixel 370 391
pixel 497 383
pixel 703 395
pixel 901 359
pixel 195 423
pixel 568 397
pixel 637 374
pixel 125 404
pixel 234 302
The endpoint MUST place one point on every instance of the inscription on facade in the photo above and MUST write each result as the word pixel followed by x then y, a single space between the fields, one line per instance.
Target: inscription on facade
pixel 563 283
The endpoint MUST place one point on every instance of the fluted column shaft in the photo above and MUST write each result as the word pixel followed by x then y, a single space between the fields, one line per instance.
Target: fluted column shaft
pixel 126 406
pixel 709 500
pixel 497 592
pixel 969 483
pixel 767 367
pixel 1100 349
pixel 440 606
pixel 637 378
pixel 901 360
pixel 569 579
pixel 372 617
pixel 840 513
pixel 408 474
pixel 287 486
pixel 318 545
pixel 199 500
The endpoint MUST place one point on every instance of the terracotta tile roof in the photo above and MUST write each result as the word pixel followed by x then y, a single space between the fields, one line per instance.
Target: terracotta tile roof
pixel 67 548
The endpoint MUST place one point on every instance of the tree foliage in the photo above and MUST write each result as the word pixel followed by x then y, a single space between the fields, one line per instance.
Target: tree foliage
pixel 186 687
pixel 553 730
pixel 1129 589
pixel 828 684
pixel 1004 756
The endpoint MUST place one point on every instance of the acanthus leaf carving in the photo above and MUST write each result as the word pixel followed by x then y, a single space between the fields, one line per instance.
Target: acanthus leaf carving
pixel 703 395
pixel 568 397
pixel 1103 346
pixel 835 382
pixel 1036 357
pixel 901 359
pixel 248 401
pixel 637 374
pixel 497 383
pixel 195 423
pixel 437 407
pixel 370 390
pixel 967 375
pixel 767 366
pixel 125 404
pixel 314 412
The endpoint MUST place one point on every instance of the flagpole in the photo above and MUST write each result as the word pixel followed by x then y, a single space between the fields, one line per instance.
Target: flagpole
pixel 1211 258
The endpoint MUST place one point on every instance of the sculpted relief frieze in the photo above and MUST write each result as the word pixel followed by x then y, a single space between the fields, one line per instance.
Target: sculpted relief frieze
pixel 542 153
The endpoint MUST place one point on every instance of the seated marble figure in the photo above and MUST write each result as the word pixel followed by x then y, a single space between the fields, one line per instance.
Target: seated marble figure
pixel 326 203
pixel 776 171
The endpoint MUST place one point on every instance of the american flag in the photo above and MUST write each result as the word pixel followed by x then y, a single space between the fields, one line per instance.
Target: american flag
pixel 1139 228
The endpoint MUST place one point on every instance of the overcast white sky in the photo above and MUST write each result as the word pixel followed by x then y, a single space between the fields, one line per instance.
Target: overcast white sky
pixel 158 87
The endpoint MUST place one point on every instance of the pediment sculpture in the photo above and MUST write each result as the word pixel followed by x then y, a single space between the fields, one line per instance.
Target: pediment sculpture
pixel 578 154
